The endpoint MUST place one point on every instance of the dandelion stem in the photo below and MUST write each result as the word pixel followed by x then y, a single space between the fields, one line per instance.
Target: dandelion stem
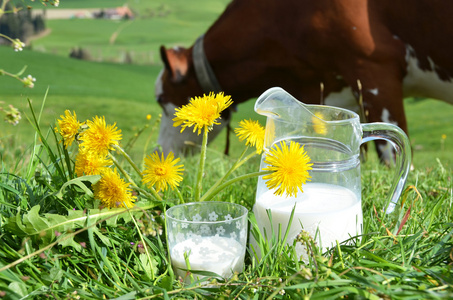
pixel 153 129
pixel 240 163
pixel 209 196
pixel 204 144
pixel 149 195
pixel 121 169
pixel 236 165
pixel 129 160
pixel 155 194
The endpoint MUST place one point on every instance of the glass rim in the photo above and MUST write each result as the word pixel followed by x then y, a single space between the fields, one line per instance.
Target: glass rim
pixel 244 212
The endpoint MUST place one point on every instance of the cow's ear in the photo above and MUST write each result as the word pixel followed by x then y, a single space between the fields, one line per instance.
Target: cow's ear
pixel 175 61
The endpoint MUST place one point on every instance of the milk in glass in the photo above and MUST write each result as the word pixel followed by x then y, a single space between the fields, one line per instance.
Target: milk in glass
pixel 220 255
pixel 207 236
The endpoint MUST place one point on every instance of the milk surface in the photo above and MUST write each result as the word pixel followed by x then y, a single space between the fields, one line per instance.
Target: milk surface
pixel 220 255
pixel 330 211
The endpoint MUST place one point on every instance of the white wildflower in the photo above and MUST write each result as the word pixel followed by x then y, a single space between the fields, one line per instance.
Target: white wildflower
pixel 18 45
pixel 29 81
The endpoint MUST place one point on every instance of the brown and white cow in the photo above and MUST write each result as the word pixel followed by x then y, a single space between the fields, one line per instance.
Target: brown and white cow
pixel 394 48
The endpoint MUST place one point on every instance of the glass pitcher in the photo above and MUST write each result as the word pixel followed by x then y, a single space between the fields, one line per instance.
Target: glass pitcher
pixel 329 208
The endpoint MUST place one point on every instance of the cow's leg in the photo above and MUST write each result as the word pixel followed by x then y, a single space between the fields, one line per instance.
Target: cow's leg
pixel 382 94
pixel 394 115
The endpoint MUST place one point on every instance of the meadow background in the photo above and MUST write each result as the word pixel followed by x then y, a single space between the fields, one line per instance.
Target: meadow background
pixel 404 255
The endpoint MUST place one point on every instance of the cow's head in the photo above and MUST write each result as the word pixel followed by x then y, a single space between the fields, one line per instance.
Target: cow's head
pixel 175 85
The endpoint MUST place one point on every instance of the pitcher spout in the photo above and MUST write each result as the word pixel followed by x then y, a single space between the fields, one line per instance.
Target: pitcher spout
pixel 279 104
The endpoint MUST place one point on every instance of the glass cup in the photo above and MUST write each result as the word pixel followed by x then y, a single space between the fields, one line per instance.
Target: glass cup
pixel 207 236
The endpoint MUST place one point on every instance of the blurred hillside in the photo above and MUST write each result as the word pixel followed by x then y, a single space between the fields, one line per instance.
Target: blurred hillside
pixel 133 39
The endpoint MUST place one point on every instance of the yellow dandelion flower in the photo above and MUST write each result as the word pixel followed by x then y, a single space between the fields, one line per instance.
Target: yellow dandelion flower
pixel 113 191
pixel 88 163
pixel 222 101
pixel 318 125
pixel 99 138
pixel 252 132
pixel 201 112
pixel 148 117
pixel 162 172
pixel 444 136
pixel 69 127
pixel 289 166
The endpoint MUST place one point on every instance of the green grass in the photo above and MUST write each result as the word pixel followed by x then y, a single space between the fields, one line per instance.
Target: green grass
pixel 65 76
pixel 428 120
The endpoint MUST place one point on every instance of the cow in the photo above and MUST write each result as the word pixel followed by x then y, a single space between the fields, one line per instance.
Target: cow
pixel 332 52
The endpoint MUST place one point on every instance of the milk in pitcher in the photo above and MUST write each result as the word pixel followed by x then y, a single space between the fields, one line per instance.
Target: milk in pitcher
pixel 327 212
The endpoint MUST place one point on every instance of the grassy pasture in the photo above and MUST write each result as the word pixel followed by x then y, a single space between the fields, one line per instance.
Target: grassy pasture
pixel 122 93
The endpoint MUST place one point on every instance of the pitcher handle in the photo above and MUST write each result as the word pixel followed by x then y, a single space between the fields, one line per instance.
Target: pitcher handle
pixel 399 140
